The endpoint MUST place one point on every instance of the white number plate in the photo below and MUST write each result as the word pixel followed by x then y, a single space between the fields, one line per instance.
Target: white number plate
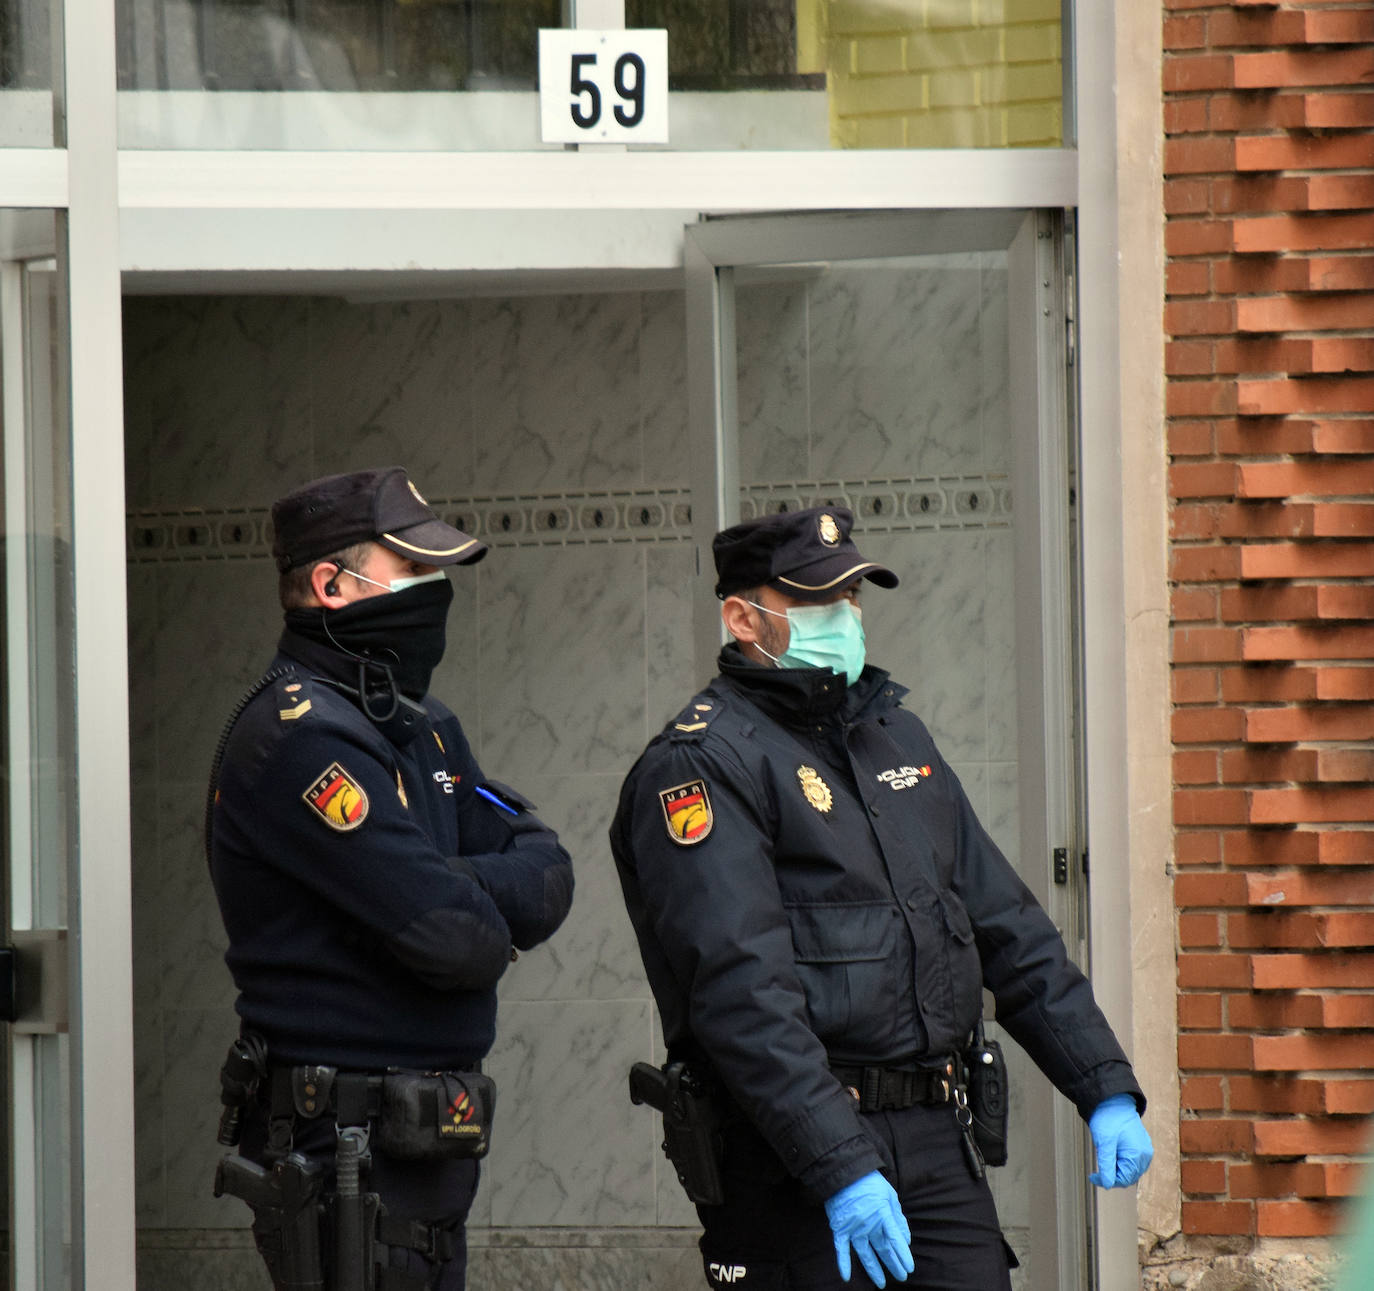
pixel 603 86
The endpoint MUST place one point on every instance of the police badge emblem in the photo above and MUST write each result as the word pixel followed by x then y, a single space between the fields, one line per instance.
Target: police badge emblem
pixel 816 790
pixel 687 812
pixel 338 799
pixel 829 530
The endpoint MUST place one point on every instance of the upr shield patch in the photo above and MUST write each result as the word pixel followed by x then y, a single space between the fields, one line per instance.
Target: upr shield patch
pixel 687 812
pixel 339 799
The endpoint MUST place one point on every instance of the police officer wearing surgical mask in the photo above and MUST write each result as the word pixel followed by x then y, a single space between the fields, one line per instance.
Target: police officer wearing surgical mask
pixel 819 911
pixel 375 885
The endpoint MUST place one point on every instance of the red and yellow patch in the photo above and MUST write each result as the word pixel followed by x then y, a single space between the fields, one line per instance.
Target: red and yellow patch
pixel 457 1120
pixel 687 811
pixel 338 799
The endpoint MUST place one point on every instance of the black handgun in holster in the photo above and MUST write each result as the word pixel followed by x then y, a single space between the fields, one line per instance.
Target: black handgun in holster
pixel 286 1215
pixel 691 1125
pixel 985 1073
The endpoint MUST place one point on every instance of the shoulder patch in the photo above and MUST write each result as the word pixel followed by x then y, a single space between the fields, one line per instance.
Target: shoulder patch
pixel 338 799
pixel 695 718
pixel 687 812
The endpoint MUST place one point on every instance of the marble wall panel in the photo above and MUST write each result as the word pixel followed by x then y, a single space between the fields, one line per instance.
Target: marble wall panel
pixel 974 778
pixel 192 942
pixel 150 326
pixel 593 956
pixel 141 586
pixel 562 660
pixel 206 1268
pixel 995 339
pixel 194 1044
pixel 510 1267
pixel 663 388
pixel 455 681
pixel 229 405
pixel 146 895
pixel 390 385
pixel 672 678
pixel 895 370
pixel 150 1148
pixel 931 632
pixel 565 1149
pixel 1003 819
pixel 218 624
pixel 771 365
pixel 557 403
pixel 1000 622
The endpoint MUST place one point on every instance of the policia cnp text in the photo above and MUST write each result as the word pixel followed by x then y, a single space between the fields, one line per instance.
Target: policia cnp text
pixel 819 911
pixel 374 886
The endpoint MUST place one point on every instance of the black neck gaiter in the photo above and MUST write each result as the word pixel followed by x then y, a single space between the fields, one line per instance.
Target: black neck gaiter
pixel 402 632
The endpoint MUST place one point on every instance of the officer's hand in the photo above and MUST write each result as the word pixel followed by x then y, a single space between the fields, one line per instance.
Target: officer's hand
pixel 868 1216
pixel 1124 1150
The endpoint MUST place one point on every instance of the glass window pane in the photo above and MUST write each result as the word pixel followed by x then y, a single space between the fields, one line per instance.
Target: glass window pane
pixel 400 74
pixel 25 74
pixel 461 75
pixel 862 73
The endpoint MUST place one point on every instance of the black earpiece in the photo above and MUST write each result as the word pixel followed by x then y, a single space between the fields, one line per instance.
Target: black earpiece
pixel 331 588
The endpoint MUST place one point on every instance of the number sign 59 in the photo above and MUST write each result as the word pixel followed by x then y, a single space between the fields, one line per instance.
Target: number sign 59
pixel 603 86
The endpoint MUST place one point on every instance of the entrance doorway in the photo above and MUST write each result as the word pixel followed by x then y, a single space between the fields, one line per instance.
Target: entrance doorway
pixel 595 438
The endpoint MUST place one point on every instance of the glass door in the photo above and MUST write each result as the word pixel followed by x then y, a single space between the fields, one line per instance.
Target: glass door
pixel 912 367
pixel 38 801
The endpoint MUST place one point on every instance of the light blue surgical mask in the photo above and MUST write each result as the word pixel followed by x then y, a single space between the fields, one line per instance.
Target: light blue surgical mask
pixel 399 584
pixel 822 636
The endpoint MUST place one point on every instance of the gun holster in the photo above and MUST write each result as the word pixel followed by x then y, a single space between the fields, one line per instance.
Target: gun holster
pixel 286 1215
pixel 691 1125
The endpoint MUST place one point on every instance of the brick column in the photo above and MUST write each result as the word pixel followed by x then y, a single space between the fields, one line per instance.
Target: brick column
pixel 1269 204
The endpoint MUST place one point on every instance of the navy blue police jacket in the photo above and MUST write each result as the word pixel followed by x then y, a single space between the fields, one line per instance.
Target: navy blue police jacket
pixel 372 898
pixel 809 886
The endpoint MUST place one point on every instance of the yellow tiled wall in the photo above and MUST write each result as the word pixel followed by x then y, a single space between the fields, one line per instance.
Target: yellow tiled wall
pixel 937 73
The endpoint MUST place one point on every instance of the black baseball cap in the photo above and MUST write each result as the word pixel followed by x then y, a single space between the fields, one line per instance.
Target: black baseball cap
pixel 382 506
pixel 804 554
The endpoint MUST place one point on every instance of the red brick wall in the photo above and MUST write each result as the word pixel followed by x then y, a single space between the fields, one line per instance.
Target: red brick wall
pixel 1269 320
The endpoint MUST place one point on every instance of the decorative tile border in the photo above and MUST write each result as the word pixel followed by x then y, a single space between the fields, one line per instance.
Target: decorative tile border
pixel 576 518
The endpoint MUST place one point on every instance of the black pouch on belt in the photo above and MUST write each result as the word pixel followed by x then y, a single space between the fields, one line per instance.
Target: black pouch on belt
pixel 433 1115
pixel 985 1070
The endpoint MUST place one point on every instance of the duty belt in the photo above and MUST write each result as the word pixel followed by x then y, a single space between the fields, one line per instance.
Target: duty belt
pixel 351 1097
pixel 892 1089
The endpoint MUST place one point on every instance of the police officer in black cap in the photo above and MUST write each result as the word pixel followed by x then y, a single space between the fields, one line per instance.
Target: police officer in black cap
pixel 374 886
pixel 819 910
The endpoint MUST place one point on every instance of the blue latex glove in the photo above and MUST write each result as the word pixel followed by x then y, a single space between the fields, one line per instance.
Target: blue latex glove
pixel 1124 1150
pixel 868 1216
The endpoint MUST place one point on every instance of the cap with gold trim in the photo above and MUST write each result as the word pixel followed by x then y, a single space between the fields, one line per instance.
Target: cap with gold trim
pixel 807 555
pixel 380 506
